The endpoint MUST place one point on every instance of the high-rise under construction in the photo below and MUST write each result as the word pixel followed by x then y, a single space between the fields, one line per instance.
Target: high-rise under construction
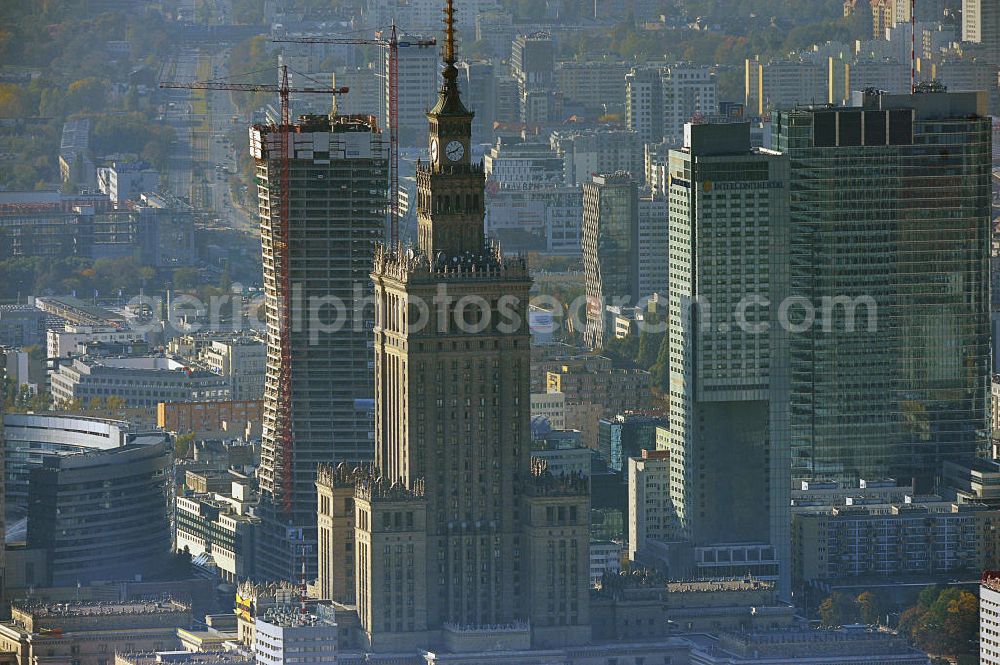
pixel 318 396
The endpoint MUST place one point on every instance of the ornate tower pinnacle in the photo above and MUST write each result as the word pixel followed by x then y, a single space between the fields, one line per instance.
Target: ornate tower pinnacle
pixel 449 33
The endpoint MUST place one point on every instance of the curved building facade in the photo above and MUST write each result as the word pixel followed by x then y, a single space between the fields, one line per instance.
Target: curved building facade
pixel 102 515
pixel 29 438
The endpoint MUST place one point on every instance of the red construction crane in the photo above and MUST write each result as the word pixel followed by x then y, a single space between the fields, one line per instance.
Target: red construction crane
pixel 284 130
pixel 392 44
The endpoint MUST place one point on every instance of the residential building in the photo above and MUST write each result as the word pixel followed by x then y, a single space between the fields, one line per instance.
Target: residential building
pixel 522 165
pixel 850 420
pixel 496 29
pixel 919 538
pixel 610 248
pixel 545 219
pixel 142 382
pixel 783 83
pixel 211 420
pixel 989 618
pixel 532 64
pixel 242 361
pixel 30 438
pixel 118 533
pixel 728 238
pixel 478 78
pixel 981 25
pixel 125 181
pixel 91 633
pixel 653 241
pixel 329 379
pixel 599 150
pixel 605 559
pixel 643 103
pixel 651 513
pixel 417 83
pixel 595 389
pixel 551 406
pixel 597 85
pixel 661 99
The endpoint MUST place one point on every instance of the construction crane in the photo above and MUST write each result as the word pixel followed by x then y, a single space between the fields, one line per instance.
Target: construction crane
pixel 284 129
pixel 392 44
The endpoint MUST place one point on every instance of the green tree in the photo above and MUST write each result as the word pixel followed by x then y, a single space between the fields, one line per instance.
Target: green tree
pixel 182 445
pixel 838 609
pixel 660 370
pixel 186 279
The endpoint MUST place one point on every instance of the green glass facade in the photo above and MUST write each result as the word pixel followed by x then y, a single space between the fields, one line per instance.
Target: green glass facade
pixel 890 220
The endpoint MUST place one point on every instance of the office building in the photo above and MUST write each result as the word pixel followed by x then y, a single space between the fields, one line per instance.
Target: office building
pixel 337 209
pixel 562 450
pixel 651 514
pixel 728 238
pixel 218 528
pixel 891 377
pixel 532 64
pixel 32 437
pixel 211 420
pixel 849 645
pixel 610 249
pixel 981 25
pixel 142 382
pixel 75 165
pixel 626 435
pixel 21 326
pixel 69 341
pixel 286 637
pixel 478 79
pixel 90 633
pixel 118 533
pixel 544 218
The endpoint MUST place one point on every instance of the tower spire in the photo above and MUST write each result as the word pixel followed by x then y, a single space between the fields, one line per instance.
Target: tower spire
pixel 449 33
pixel 449 99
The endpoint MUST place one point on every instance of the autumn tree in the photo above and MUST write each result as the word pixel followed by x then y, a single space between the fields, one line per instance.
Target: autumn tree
pixel 838 609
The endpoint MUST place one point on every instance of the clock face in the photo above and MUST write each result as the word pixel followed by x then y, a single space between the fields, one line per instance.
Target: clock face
pixel 434 150
pixel 455 150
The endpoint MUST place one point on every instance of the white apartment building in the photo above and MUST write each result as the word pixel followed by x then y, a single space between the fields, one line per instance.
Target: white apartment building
pixel 650 508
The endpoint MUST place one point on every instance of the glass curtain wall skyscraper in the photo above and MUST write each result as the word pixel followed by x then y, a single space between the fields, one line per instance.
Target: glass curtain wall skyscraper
pixel 890 235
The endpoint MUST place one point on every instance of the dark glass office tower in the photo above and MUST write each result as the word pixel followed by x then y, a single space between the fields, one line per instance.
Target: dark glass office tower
pixel 890 223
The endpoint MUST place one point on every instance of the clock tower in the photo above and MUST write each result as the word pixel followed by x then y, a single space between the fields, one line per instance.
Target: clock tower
pixel 449 186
